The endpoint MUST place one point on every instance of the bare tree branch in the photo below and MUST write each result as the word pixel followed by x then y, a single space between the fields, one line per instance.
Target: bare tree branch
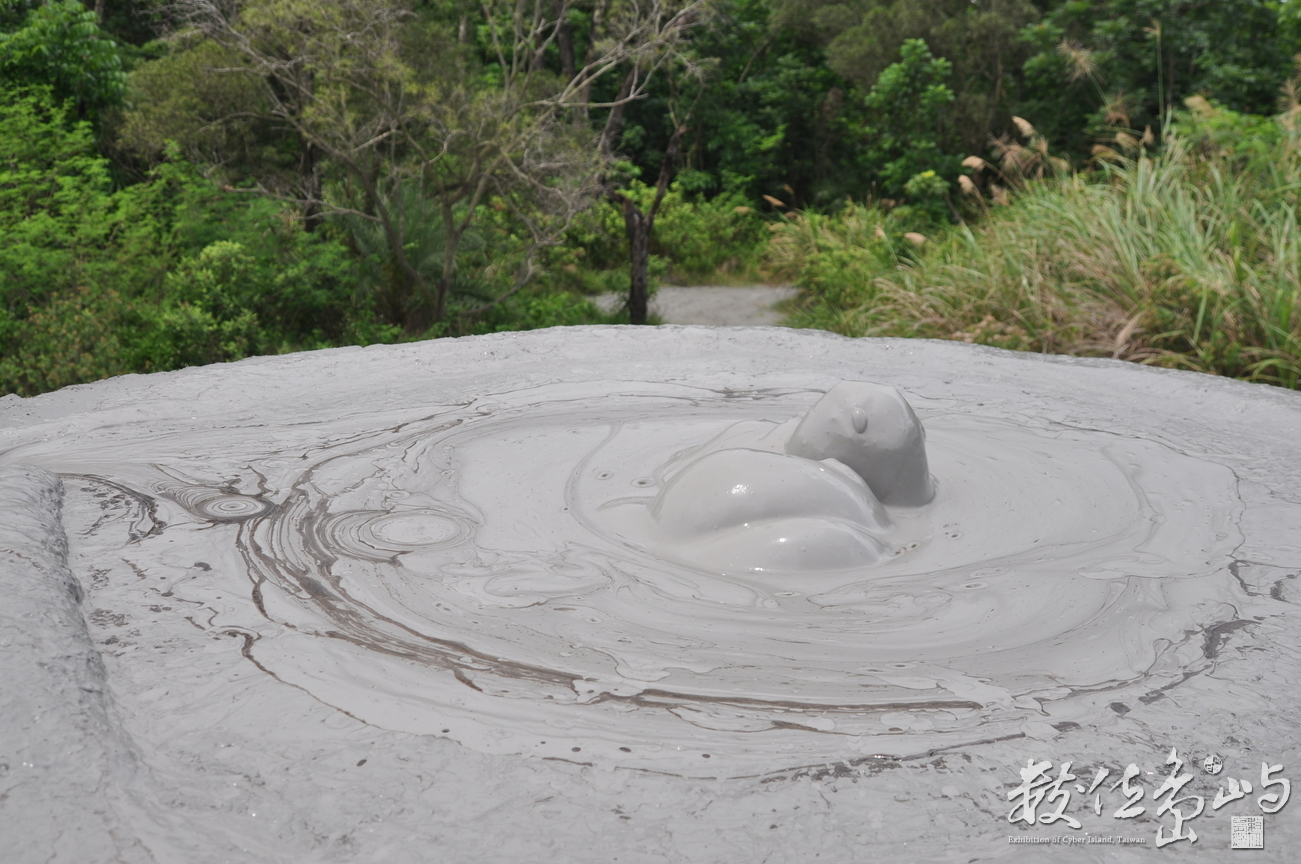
pixel 335 74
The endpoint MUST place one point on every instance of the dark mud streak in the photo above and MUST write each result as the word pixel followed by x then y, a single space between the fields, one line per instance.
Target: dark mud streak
pixel 1159 693
pixel 356 622
pixel 148 505
pixel 874 764
pixel 1275 591
pixel 246 650
pixel 355 619
pixel 289 544
pixel 1217 636
pixel 195 499
pixel 857 767
pixel 1235 568
pixel 266 543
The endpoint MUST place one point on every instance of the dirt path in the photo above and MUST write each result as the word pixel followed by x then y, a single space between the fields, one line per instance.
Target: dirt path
pixel 749 306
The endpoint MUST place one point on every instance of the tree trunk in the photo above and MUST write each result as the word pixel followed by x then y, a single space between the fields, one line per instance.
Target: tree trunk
pixel 639 227
pixel 445 280
pixel 415 317
pixel 310 178
pixel 440 299
pixel 614 123
pixel 565 41
pixel 593 37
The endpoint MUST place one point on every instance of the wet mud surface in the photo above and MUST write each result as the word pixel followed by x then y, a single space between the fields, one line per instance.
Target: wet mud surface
pixel 364 604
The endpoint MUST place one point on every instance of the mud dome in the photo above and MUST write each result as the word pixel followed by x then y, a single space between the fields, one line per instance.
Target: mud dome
pixel 448 560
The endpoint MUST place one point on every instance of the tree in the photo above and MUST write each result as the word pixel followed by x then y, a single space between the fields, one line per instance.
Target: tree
pixel 101 281
pixel 639 224
pixel 60 45
pixel 387 107
pixel 905 121
pixel 981 39
pixel 218 120
pixel 772 116
pixel 1149 55
pixel 54 198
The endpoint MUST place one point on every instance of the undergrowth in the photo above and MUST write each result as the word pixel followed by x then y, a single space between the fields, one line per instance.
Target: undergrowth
pixel 1186 257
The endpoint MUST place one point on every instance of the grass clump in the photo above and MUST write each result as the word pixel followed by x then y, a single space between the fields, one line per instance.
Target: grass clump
pixel 1188 257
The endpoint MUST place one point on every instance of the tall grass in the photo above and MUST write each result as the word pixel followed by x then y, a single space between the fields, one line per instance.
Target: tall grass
pixel 1186 258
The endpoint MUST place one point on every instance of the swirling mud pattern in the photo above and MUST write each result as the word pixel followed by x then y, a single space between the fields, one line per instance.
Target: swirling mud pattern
pixel 501 573
pixel 215 505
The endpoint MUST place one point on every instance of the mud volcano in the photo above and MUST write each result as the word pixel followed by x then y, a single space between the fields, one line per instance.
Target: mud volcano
pixel 601 593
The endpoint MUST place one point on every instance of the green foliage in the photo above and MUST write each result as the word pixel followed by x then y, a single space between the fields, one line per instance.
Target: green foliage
pixel 59 45
pixel 155 276
pixel 1190 259
pixel 905 123
pixel 695 238
pixel 71 339
pixel 54 198
pixel 131 237
pixel 927 206
pixel 702 237
pixel 398 297
pixel 1128 61
pixel 226 303
pixel 532 311
pixel 1071 67
pixel 770 116
pixel 980 38
pixel 214 118
pixel 1234 139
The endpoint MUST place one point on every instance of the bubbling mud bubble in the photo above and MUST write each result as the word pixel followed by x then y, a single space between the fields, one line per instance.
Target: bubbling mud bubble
pixel 544 571
pixel 811 501
pixel 873 430
pixel 749 510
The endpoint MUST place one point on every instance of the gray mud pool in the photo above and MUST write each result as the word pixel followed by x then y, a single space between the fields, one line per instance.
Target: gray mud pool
pixel 613 594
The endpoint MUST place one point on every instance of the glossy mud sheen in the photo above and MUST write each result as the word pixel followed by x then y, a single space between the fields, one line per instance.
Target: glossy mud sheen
pixel 530 549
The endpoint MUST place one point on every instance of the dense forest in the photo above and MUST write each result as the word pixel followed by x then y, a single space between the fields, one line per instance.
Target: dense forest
pixel 197 181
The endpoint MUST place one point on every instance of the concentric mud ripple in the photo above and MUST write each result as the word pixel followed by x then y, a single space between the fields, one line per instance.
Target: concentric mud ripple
pixel 385 536
pixel 490 574
pixel 215 505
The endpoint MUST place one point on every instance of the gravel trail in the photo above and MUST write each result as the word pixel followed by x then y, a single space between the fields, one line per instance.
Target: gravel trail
pixel 719 306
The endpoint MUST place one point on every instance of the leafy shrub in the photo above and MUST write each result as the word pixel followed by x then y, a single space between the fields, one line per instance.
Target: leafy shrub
pixel 694 238
pixel 162 274
pixel 225 304
pixel 71 339
pixel 905 120
pixel 60 46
